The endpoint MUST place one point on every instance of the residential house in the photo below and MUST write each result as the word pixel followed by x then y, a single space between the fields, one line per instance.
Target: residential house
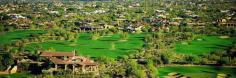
pixel 16 16
pixel 69 61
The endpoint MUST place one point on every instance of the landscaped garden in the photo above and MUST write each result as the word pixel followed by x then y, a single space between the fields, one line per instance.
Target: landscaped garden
pixel 197 71
pixel 204 44
pixel 109 46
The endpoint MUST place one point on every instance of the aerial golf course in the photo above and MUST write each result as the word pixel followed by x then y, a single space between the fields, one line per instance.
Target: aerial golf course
pixel 102 47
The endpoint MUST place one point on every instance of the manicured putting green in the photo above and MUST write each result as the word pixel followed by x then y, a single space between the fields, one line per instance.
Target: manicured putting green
pixel 6 38
pixel 197 71
pixel 94 48
pixel 204 44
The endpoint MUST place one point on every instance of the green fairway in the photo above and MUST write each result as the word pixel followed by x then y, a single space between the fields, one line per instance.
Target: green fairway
pixel 94 48
pixel 17 75
pixel 6 38
pixel 205 45
pixel 198 71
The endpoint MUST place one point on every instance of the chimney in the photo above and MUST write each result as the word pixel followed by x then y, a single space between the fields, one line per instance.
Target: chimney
pixel 74 53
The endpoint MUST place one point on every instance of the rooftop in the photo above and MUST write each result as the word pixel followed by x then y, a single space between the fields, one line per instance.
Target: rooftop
pixel 56 54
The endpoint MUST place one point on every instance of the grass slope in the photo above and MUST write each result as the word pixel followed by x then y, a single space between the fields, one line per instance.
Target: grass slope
pixel 198 71
pixel 17 75
pixel 206 45
pixel 6 38
pixel 95 48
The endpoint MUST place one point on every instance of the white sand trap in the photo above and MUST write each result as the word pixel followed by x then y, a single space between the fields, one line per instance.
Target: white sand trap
pixel 199 39
pixel 184 43
pixel 224 37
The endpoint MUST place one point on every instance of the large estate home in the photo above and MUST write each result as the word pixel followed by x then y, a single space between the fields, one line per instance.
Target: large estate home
pixel 68 61
pixel 58 61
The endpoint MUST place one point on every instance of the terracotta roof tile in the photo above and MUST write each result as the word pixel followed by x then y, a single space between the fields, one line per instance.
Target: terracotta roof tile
pixel 79 61
pixel 55 54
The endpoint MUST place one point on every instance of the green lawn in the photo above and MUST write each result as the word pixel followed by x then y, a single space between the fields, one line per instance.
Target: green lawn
pixel 206 45
pixel 17 75
pixel 198 71
pixel 6 38
pixel 95 48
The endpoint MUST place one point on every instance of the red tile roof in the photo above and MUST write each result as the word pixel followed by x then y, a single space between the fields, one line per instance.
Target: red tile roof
pixel 84 61
pixel 74 60
pixel 57 61
pixel 71 60
pixel 56 54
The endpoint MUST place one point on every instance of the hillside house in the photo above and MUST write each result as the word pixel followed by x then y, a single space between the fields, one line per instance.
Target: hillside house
pixel 16 16
pixel 105 26
pixel 196 24
pixel 174 23
pixel 229 22
pixel 89 28
pixel 135 26
pixel 69 61
pixel 20 21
